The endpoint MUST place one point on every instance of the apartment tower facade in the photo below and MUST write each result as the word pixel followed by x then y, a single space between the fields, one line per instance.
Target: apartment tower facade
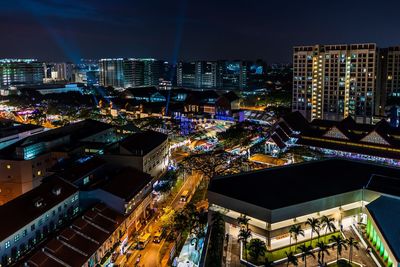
pixel 335 81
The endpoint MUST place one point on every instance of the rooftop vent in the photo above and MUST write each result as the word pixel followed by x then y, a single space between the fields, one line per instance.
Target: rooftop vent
pixel 39 202
pixel 56 191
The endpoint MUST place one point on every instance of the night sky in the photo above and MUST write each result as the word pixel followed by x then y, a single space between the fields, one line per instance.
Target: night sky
pixel 189 29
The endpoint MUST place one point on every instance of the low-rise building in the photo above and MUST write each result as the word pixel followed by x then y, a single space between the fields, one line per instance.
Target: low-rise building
pixel 11 132
pixel 29 218
pixel 89 240
pixel 346 138
pixel 145 151
pixel 25 163
pixel 275 199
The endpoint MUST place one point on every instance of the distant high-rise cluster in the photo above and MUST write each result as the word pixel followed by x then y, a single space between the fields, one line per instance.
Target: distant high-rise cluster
pixel 20 71
pixel 336 81
pixel 219 74
pixel 130 72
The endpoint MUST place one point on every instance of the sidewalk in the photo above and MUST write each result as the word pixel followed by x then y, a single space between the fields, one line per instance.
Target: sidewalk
pixel 359 256
pixel 231 247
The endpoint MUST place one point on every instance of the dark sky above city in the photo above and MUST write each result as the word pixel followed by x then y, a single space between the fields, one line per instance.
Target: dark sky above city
pixel 189 29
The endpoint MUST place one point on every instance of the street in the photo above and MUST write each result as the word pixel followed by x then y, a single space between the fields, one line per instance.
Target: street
pixel 150 254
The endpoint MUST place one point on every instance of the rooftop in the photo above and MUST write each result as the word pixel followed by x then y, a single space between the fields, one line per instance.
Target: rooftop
pixel 379 140
pixel 26 208
pixel 303 182
pixel 81 168
pixel 8 128
pixel 76 244
pixel 73 133
pixel 132 180
pixel 143 142
pixel 386 214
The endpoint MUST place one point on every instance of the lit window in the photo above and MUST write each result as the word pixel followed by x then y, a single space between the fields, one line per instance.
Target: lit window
pixel 86 180
pixel 39 173
pixel 8 244
pixel 16 238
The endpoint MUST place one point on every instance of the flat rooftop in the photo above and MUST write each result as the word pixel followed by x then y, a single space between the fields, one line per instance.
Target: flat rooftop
pixel 127 183
pixel 81 168
pixel 143 142
pixel 8 128
pixel 386 214
pixel 75 133
pixel 288 185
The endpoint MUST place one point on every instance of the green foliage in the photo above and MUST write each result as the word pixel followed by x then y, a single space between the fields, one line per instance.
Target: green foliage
pixel 216 242
pixel 235 135
pixel 167 181
pixel 256 248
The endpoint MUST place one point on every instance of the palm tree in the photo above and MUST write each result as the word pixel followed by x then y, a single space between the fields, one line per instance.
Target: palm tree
pixel 305 251
pixel 352 244
pixel 268 263
pixel 315 227
pixel 243 221
pixel 328 224
pixel 323 249
pixel 257 248
pixel 244 235
pixel 295 231
pixel 218 224
pixel 339 243
pixel 291 258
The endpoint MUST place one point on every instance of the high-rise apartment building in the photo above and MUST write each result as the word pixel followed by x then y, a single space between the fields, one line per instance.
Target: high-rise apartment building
pixel 213 74
pixel 153 70
pixel 112 72
pixel 20 72
pixel 186 74
pixel 335 81
pixel 130 72
pixel 234 74
pixel 86 72
pixel 389 81
pixel 133 73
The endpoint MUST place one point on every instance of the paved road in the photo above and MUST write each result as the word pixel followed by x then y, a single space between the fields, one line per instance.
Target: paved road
pixel 150 255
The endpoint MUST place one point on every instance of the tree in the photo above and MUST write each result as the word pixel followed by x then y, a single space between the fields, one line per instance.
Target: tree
pixel 197 224
pixel 328 224
pixel 244 235
pixel 323 249
pixel 268 263
pixel 181 222
pixel 243 221
pixel 257 248
pixel 236 135
pixel 339 243
pixel 315 227
pixel 352 244
pixel 166 182
pixel 305 251
pixel 215 247
pixel 295 231
pixel 211 164
pixel 291 258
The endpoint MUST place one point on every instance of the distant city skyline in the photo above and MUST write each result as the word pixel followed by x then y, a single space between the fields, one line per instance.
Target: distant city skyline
pixel 188 30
